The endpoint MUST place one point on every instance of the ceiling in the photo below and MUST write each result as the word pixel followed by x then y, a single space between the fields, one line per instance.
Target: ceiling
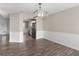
pixel 28 8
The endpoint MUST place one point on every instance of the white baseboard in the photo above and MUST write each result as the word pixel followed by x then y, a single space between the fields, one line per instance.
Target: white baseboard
pixel 66 39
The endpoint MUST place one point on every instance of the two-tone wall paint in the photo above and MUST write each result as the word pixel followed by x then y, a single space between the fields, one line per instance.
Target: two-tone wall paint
pixel 16 28
pixel 62 27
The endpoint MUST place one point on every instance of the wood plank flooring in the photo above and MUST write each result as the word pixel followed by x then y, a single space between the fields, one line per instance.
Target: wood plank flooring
pixel 40 47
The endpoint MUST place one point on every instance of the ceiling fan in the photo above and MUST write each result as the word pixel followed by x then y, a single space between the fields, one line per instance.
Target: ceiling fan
pixel 39 12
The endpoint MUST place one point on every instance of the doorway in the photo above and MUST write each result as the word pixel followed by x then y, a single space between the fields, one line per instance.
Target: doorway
pixel 30 28
pixel 33 28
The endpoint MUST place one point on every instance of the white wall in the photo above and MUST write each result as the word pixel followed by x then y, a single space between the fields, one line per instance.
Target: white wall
pixel 66 39
pixel 39 28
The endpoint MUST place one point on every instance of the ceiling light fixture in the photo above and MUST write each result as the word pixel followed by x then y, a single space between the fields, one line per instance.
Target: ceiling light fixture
pixel 40 12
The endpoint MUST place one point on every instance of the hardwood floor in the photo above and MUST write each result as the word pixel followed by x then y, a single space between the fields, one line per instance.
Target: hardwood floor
pixel 40 47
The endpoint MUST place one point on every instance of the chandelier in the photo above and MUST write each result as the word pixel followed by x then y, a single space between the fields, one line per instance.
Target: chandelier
pixel 40 12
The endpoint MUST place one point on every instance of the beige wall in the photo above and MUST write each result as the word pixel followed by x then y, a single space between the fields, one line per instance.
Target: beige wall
pixel 64 21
